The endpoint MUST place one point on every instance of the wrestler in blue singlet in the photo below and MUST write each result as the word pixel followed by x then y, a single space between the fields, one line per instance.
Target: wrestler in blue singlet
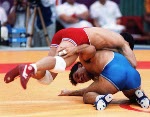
pixel 120 73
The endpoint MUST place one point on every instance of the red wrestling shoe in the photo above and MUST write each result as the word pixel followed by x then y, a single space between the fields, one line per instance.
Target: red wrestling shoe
pixel 25 72
pixel 10 75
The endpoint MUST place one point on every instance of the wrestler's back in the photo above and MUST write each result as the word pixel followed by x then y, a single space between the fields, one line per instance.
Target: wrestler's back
pixel 77 35
pixel 102 38
pixel 98 62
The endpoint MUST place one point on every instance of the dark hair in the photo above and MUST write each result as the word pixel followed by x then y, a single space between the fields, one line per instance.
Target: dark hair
pixel 129 38
pixel 72 71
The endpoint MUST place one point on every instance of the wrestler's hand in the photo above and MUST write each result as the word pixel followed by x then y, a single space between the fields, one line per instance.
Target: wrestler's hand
pixel 67 51
pixel 65 92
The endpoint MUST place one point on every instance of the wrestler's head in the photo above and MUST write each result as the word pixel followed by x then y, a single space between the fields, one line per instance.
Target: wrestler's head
pixel 129 38
pixel 78 74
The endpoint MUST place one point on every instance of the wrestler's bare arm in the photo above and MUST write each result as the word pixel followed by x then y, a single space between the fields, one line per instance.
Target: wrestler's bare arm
pixel 112 41
pixel 92 88
pixel 123 47
pixel 88 50
pixel 128 53
pixel 66 92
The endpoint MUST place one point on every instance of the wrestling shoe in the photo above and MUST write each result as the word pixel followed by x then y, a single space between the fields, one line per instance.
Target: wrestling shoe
pixel 142 99
pixel 25 71
pixel 11 75
pixel 103 101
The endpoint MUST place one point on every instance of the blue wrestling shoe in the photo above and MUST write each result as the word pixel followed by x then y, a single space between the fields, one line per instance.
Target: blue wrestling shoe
pixel 103 101
pixel 142 99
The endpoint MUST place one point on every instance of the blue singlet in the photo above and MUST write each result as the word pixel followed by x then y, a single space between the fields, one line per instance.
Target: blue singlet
pixel 121 74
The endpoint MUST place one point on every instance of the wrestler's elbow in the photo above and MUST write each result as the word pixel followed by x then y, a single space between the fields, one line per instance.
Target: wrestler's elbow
pixel 92 49
pixel 134 64
pixel 132 60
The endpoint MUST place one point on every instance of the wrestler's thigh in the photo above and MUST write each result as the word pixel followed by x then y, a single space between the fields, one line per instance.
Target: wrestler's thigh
pixel 70 60
pixel 105 87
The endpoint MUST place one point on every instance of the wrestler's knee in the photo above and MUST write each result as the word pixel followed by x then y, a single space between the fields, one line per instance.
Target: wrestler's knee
pixel 85 97
pixel 89 97
pixel 39 75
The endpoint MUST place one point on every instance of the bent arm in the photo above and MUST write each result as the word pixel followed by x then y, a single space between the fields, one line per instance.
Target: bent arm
pixel 123 47
pixel 86 51
pixel 128 53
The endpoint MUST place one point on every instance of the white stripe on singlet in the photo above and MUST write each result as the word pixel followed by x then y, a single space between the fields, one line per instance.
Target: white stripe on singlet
pixel 70 40
pixel 54 45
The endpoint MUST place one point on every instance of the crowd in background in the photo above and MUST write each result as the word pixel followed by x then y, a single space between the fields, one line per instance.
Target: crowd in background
pixel 58 14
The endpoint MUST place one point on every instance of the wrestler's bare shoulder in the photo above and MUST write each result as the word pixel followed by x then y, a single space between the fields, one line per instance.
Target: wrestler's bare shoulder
pixel 101 59
pixel 97 33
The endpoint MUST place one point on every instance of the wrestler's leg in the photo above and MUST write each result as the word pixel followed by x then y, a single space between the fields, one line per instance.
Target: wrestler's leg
pixel 13 73
pixel 130 94
pixel 100 93
pixel 137 95
pixel 46 63
pixel 100 101
pixel 101 87
pixel 41 73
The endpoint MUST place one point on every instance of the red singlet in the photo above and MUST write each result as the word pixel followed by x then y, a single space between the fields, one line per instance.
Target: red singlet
pixel 77 36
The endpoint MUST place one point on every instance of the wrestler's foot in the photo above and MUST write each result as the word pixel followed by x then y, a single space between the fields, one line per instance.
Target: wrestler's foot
pixel 10 75
pixel 142 99
pixel 25 72
pixel 103 101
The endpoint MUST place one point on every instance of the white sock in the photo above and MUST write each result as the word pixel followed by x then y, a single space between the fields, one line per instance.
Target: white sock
pixel 35 68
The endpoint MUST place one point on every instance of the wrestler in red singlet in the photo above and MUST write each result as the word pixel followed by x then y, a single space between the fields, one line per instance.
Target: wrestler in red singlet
pixel 76 36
